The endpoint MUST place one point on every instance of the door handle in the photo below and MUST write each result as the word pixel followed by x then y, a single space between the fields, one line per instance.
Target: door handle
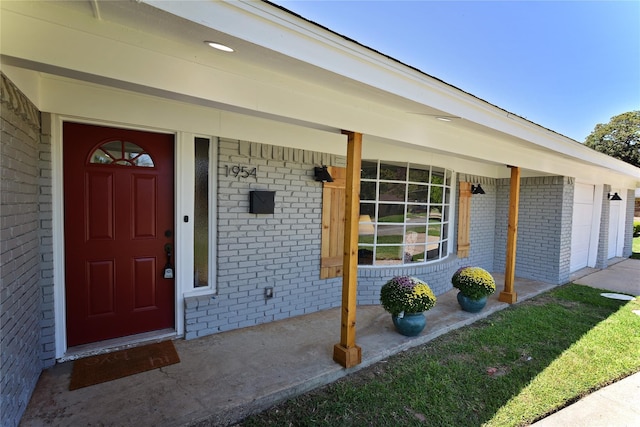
pixel 168 268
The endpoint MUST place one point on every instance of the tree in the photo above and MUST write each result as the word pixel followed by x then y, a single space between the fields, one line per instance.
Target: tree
pixel 620 138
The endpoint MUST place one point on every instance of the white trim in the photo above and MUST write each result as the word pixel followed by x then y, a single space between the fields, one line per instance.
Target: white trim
pixel 57 215
pixel 185 207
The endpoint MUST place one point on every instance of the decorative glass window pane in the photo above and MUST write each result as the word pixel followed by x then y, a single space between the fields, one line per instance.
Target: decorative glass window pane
pixel 121 153
pixel 201 214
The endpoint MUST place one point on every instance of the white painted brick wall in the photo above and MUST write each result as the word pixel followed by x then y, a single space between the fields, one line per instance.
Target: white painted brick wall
pixel 256 251
pixel 544 228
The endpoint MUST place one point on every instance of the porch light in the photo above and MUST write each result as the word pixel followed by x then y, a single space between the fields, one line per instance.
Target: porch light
pixel 219 46
pixel 476 189
pixel 322 174
pixel 614 197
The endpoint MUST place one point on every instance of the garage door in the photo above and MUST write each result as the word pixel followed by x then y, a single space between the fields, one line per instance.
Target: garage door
pixel 581 225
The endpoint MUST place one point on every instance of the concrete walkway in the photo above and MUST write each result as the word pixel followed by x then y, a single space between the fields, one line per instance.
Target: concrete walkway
pixel 224 377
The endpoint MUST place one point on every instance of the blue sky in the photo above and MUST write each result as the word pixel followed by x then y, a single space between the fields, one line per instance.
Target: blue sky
pixel 565 65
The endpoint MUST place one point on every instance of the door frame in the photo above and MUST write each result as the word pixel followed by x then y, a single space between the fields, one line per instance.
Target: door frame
pixel 57 202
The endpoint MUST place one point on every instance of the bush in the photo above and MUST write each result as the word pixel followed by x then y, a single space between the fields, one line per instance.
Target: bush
pixel 636 229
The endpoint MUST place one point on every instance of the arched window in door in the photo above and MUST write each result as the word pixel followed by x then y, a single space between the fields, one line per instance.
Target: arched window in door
pixel 121 153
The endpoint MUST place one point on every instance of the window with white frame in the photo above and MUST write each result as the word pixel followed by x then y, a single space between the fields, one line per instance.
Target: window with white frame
pixel 404 213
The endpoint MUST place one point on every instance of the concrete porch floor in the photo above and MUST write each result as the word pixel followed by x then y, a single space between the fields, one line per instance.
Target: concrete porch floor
pixel 224 377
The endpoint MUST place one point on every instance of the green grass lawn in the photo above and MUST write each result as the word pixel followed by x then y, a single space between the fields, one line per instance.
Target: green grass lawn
pixel 636 248
pixel 510 369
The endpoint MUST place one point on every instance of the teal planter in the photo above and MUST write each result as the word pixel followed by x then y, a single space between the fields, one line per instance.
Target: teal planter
pixel 471 305
pixel 411 324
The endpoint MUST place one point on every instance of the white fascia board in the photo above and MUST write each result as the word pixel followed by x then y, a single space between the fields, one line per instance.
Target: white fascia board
pixel 277 30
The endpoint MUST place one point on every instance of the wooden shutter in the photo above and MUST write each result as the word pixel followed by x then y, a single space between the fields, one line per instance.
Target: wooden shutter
pixel 464 219
pixel 333 220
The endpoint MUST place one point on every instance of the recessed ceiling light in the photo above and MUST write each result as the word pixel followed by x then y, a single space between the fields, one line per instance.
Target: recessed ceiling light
pixel 444 119
pixel 219 46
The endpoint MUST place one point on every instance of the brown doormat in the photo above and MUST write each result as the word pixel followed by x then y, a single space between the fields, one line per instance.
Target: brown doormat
pixel 107 367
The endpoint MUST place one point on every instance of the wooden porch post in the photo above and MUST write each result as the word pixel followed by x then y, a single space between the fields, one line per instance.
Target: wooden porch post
pixel 347 353
pixel 508 295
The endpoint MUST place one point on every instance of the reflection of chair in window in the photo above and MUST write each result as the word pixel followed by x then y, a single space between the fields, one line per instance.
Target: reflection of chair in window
pixel 412 246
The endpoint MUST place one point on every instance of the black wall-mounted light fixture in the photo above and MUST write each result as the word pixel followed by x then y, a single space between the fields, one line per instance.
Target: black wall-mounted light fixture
pixel 322 174
pixel 614 197
pixel 476 189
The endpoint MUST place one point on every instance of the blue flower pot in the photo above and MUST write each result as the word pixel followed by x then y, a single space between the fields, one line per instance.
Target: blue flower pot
pixel 471 305
pixel 411 324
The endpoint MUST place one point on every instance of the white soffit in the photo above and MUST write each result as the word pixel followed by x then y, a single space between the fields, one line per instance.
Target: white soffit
pixel 386 81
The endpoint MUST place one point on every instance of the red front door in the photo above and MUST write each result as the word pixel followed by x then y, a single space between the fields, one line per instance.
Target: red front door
pixel 118 212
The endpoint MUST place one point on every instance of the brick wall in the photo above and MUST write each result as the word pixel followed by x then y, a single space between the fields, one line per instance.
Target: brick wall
pixel 544 228
pixel 20 252
pixel 257 250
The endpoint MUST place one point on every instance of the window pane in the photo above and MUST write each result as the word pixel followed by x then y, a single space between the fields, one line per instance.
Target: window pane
pixel 390 235
pixel 392 192
pixel 365 255
pixel 390 213
pixel 417 193
pixel 435 214
pixel 367 190
pixel 419 173
pixel 368 209
pixel 435 230
pixel 437 175
pixel 436 195
pixel 390 255
pixel 121 153
pixel 393 172
pixel 369 170
pixel 201 214
pixel 417 213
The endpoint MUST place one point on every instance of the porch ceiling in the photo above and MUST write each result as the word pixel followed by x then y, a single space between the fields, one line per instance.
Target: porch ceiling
pixel 292 63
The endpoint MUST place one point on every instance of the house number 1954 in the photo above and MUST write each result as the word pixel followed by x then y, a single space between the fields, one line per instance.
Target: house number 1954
pixel 238 171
